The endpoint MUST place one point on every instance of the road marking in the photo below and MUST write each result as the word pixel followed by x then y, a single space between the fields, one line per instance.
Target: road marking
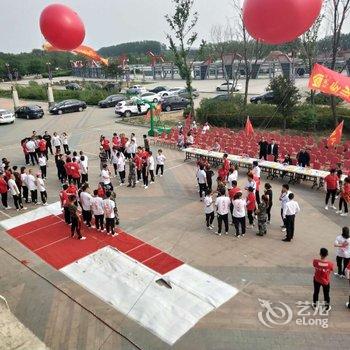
pixel 7 215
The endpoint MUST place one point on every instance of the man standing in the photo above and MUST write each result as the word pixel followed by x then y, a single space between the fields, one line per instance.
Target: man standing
pixel 42 147
pixel 323 269
pixel 273 150
pixel 291 208
pixel 263 148
pixel 108 206
pixel 202 181
pixel 331 184
pixel 47 138
pixel 222 204
pixel 31 147
pixel 146 143
pixel 85 200
pixel 106 178
pixel 303 158
pixel 16 194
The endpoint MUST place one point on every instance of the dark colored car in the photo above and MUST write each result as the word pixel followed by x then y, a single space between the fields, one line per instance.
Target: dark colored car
pixel 267 97
pixel 185 93
pixel 174 102
pixel 73 86
pixel 30 112
pixel 111 101
pixel 222 97
pixel 158 89
pixel 112 86
pixel 68 106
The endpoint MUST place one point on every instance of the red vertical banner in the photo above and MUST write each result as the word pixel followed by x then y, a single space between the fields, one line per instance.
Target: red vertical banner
pixel 249 127
pixel 335 137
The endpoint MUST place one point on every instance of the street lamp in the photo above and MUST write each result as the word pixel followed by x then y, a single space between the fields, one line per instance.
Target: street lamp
pixel 48 64
pixel 9 74
pixel 13 88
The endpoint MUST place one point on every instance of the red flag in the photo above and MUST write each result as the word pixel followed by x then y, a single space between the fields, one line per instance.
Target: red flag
pixel 336 135
pixel 249 127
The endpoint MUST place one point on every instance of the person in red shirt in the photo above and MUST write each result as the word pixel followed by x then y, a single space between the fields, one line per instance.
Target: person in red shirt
pixel 67 167
pixel 344 198
pixel 226 165
pixel 116 141
pixel 123 141
pixel 101 192
pixel 138 163
pixel 64 203
pixel 25 150
pixel 3 192
pixel 323 269
pixel 251 206
pixel 105 143
pixel 42 147
pixel 75 172
pixel 331 183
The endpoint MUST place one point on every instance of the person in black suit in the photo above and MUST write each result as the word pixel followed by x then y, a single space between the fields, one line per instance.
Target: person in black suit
pixel 273 149
pixel 263 144
pixel 303 158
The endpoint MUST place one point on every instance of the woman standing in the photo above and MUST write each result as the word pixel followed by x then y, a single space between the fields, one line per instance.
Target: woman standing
pixel 342 243
pixel 209 209
pixel 3 192
pixel 56 142
pixel 238 214
pixel 344 198
pixel 65 142
pixel 74 217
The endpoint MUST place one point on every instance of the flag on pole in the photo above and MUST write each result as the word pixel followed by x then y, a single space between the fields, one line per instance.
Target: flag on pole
pixel 249 127
pixel 336 135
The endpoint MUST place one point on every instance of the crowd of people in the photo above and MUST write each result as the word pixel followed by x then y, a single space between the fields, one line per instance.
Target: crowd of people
pixel 81 203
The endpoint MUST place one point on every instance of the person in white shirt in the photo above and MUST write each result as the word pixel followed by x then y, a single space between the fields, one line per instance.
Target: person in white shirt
pixel 131 149
pixel 31 148
pixel 121 167
pixel 290 209
pixel 205 128
pixel 56 142
pixel 232 176
pixel 256 169
pixel 209 209
pixel 85 201
pixel 41 188
pixel 342 243
pixel 98 211
pixel 83 170
pixel 222 205
pixel 239 213
pixel 16 194
pixel 24 175
pixel 216 147
pixel 202 181
pixel 189 140
pixel 160 159
pixel 114 160
pixel 85 160
pixel 31 184
pixel 108 207
pixel 65 142
pixel 106 177
pixel 151 166
pixel 42 165
pixel 284 199
pixel 251 182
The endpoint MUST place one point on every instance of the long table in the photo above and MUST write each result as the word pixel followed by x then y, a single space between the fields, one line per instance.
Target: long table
pixel 274 169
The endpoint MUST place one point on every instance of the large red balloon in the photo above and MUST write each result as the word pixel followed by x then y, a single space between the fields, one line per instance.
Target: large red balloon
pixel 62 27
pixel 279 21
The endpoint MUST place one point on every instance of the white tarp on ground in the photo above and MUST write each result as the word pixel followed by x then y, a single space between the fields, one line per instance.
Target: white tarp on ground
pixel 131 288
pixel 32 215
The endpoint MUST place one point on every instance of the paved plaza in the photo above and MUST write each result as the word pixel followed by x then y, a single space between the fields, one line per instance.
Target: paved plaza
pixel 169 216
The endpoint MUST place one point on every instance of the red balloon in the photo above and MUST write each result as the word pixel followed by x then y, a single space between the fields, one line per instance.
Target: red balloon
pixel 279 21
pixel 62 27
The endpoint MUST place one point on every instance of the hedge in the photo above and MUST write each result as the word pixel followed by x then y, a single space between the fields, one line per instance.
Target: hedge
pixel 39 93
pixel 307 118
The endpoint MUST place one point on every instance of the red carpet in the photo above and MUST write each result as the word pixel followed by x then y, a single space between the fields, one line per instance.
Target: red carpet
pixel 50 239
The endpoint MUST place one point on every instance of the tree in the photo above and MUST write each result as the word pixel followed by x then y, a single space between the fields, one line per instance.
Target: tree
pixel 182 23
pixel 338 11
pixel 286 96
pixel 309 49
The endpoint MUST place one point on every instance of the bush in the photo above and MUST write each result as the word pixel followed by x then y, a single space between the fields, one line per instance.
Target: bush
pixel 323 99
pixel 305 117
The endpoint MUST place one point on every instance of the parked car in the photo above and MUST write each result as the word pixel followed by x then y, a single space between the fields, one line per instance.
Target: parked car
pixel 174 102
pixel 267 97
pixel 185 93
pixel 68 106
pixel 170 92
pixel 111 101
pixel 222 97
pixel 130 108
pixel 158 89
pixel 6 117
pixel 150 97
pixel 230 85
pixel 29 112
pixel 112 86
pixel 136 90
pixel 73 86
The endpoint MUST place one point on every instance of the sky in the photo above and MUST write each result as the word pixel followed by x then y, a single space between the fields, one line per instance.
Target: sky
pixel 107 22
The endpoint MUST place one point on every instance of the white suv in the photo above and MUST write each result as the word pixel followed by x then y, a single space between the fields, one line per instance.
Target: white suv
pixel 6 117
pixel 130 108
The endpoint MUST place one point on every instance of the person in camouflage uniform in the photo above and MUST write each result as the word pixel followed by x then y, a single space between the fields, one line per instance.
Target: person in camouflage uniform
pixel 132 173
pixel 103 157
pixel 262 215
pixel 116 213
